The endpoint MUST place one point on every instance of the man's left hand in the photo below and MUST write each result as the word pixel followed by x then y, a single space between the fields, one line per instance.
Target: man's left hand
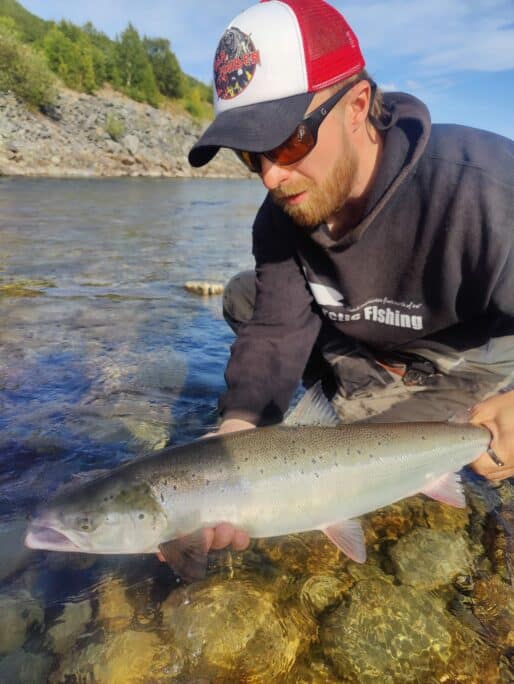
pixel 497 415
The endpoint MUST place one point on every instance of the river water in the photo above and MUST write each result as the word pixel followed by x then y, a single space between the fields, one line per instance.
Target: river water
pixel 105 356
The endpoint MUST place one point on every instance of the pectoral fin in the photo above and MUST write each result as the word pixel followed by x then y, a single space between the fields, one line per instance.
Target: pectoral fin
pixel 447 489
pixel 349 538
pixel 187 556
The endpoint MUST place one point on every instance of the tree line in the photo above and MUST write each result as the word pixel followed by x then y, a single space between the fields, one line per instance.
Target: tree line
pixel 146 69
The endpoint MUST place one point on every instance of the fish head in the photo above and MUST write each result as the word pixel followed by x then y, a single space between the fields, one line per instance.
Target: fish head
pixel 105 516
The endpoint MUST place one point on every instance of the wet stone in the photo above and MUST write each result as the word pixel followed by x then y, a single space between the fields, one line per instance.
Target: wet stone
pixel 445 518
pixel 203 288
pixel 303 554
pixel 235 631
pixel 320 592
pixel 114 609
pixel 129 657
pixel 493 606
pixel 395 635
pixel 19 613
pixel 427 559
pixel 69 625
pixel 394 521
pixel 22 667
pixel 385 633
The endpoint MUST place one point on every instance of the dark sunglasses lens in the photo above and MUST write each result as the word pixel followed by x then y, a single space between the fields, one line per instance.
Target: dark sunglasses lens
pixel 296 147
pixel 249 159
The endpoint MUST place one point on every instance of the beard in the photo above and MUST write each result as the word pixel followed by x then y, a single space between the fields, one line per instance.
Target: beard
pixel 324 199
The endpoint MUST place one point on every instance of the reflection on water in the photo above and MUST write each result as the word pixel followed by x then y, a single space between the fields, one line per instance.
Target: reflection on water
pixel 105 356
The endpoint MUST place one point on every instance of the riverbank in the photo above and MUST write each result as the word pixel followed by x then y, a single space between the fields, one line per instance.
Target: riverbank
pixel 106 134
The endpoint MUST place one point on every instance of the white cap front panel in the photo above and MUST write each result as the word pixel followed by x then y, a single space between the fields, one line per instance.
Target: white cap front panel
pixel 255 60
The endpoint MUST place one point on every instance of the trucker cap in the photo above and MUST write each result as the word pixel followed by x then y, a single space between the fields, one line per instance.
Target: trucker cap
pixel 270 61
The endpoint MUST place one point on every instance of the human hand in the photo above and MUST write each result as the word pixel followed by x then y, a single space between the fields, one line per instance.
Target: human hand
pixel 497 415
pixel 221 536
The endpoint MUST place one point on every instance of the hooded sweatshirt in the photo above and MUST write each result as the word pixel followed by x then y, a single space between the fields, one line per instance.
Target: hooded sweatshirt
pixel 431 259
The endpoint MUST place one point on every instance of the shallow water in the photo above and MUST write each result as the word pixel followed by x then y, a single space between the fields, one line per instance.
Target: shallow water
pixel 104 357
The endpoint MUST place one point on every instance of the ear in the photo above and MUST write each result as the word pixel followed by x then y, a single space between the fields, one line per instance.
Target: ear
pixel 359 100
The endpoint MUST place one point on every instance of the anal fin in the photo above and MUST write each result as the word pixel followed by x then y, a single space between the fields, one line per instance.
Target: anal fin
pixel 349 538
pixel 447 489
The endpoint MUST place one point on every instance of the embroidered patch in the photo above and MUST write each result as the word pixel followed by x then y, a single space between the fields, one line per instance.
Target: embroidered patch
pixel 235 63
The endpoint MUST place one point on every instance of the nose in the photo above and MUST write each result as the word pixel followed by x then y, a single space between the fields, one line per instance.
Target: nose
pixel 273 175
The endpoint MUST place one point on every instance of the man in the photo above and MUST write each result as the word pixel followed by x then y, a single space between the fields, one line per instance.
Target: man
pixel 384 249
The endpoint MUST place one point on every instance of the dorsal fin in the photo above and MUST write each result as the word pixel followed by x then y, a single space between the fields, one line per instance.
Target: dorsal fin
pixel 313 409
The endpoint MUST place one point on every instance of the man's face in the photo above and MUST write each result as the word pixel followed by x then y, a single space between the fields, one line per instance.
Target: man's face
pixel 314 189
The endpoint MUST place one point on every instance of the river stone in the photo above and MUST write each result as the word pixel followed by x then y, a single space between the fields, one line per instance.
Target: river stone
pixel 303 554
pixel 128 657
pixel 234 631
pixel 69 625
pixel 21 667
pixel 394 521
pixel 114 610
pixel 18 614
pixel 445 518
pixel 203 288
pixel 386 634
pixel 493 605
pixel 320 592
pixel 427 559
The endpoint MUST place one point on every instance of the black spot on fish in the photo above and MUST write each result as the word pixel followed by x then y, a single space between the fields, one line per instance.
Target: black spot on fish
pixel 141 516
pixel 239 467
pixel 275 458
pixel 314 460
pixel 246 459
pixel 175 487
pixel 316 475
pixel 423 437
pixel 304 451
pixel 262 471
pixel 162 497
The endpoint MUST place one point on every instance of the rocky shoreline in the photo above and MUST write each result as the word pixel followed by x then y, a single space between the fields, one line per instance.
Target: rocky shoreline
pixel 106 134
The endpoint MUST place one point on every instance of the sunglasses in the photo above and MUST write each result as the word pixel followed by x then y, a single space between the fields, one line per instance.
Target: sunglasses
pixel 302 140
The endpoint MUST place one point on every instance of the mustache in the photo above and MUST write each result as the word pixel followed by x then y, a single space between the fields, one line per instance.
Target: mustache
pixel 285 191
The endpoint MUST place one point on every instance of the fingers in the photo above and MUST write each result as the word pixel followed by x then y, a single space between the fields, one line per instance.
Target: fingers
pixel 220 537
pixel 226 535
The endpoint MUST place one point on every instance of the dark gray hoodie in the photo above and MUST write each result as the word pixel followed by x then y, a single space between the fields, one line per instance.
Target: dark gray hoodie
pixel 432 259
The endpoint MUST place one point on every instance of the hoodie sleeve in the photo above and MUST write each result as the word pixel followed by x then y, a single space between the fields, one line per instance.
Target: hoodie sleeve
pixel 270 353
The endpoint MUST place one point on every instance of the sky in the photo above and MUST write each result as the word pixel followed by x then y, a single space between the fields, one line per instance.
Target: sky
pixel 455 55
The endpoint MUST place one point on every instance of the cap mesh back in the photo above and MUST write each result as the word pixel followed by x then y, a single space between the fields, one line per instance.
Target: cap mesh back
pixel 332 50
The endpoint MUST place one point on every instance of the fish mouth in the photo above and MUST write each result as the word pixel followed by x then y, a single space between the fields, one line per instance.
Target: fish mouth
pixel 41 536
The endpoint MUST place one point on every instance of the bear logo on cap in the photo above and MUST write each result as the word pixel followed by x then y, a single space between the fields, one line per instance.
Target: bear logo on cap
pixel 235 63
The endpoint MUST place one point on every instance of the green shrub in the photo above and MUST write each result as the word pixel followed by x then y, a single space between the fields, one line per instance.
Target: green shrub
pixel 23 71
pixel 115 127
pixel 196 105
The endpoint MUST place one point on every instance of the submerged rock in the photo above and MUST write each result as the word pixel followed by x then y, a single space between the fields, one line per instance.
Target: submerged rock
pixel 395 635
pixel 69 625
pixel 114 609
pixel 303 554
pixel 320 592
pixel 129 657
pixel 18 614
pixel 21 667
pixel 234 631
pixel 427 559
pixel 493 606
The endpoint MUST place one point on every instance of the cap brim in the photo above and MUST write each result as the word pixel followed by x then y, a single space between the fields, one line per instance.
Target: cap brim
pixel 255 128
